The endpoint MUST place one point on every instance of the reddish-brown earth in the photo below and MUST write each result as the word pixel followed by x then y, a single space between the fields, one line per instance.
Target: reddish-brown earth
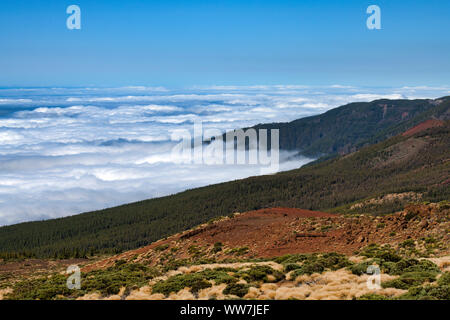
pixel 278 231
pixel 423 126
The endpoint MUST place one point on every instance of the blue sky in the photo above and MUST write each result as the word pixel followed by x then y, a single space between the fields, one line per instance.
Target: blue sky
pixel 184 43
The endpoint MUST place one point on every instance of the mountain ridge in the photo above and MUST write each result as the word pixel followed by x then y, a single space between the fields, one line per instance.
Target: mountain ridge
pixel 330 184
pixel 347 128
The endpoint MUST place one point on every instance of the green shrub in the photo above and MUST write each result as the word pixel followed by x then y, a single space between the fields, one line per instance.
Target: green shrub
pixel 444 280
pixel 319 263
pixel 291 258
pixel 334 261
pixel 410 243
pixel 239 251
pixel 120 262
pixel 194 281
pixel 237 289
pixel 105 281
pixel 410 279
pixel 219 275
pixel 430 240
pixel 194 250
pixel 162 247
pixel 217 247
pixel 360 268
pixel 291 266
pixel 385 253
pixel 41 288
pixel 410 265
pixel 436 291
pixel 372 296
pixel 109 281
pixel 260 273
pixel 428 293
pixel 423 265
pixel 174 264
pixel 309 268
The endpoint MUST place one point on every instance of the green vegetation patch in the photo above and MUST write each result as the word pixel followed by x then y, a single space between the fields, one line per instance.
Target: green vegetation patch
pixel 162 247
pixel 291 258
pixel 236 289
pixel 239 251
pixel 318 263
pixel 218 246
pixel 105 282
pixel 360 268
pixel 385 253
pixel 372 296
pixel 41 289
pixel 195 281
pixel 438 291
pixel 410 279
pixel 260 273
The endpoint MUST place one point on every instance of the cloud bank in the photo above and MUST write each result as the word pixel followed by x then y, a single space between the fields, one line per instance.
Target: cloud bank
pixel 65 151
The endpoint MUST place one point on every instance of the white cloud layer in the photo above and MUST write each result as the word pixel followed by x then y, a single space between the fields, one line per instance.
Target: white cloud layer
pixel 66 151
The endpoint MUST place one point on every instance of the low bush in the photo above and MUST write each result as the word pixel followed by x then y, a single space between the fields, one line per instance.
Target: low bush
pixel 217 247
pixel 105 281
pixel 410 243
pixel 444 280
pixel 40 288
pixel 291 258
pixel 194 281
pixel 236 289
pixel 291 266
pixel 409 265
pixel 437 291
pixel 109 281
pixel 162 247
pixel 360 268
pixel 319 263
pixel 385 253
pixel 239 251
pixel 261 273
pixel 372 296
pixel 427 293
pixel 410 279
pixel 219 275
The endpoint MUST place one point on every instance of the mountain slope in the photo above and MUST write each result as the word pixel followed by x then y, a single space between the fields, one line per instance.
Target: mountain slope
pixel 346 128
pixel 417 163
pixel 273 253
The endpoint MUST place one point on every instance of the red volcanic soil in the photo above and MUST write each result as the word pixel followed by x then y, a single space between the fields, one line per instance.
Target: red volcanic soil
pixel 267 231
pixel 277 231
pixel 423 126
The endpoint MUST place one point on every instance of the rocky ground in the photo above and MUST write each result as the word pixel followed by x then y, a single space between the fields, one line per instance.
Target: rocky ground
pixel 273 253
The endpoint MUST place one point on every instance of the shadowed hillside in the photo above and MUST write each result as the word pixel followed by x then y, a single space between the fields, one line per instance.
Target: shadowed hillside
pixel 345 129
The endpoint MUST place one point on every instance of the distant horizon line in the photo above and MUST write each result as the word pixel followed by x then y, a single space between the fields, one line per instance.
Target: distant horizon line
pixel 219 86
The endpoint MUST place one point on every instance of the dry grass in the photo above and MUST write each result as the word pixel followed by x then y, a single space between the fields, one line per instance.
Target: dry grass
pixel 331 285
pixel 443 262
pixel 4 292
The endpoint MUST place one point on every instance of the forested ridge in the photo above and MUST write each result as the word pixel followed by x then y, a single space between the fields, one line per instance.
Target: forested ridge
pixel 347 128
pixel 372 171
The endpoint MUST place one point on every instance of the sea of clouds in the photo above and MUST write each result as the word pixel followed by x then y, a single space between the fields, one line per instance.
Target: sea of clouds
pixel 69 150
